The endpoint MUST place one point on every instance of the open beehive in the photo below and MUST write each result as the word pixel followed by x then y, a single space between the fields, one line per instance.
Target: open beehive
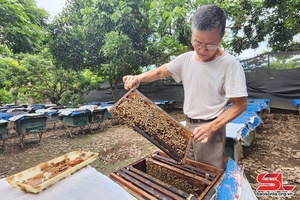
pixel 162 175
pixel 148 119
pixel 157 176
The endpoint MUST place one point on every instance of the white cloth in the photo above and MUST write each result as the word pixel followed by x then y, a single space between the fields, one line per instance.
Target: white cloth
pixel 82 185
pixel 45 111
pixel 208 85
pixel 69 111
pixel 89 107
pixel 247 192
pixel 234 130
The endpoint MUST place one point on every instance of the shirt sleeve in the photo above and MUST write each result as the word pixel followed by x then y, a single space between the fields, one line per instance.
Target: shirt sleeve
pixel 175 66
pixel 235 84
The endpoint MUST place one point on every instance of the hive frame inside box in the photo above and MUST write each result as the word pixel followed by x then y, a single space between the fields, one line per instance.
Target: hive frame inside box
pixel 134 178
pixel 160 143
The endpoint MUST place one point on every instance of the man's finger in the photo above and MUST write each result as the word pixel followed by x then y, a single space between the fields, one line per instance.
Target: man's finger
pixel 204 140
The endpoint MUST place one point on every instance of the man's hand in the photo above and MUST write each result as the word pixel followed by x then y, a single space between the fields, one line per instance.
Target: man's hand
pixel 202 133
pixel 131 82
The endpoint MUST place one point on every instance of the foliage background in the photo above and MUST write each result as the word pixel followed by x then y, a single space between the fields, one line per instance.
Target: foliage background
pixel 94 41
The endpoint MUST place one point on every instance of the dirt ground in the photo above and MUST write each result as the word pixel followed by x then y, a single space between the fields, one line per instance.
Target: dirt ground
pixel 275 149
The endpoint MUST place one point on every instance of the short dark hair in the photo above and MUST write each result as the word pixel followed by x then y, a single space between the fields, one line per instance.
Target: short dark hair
pixel 209 17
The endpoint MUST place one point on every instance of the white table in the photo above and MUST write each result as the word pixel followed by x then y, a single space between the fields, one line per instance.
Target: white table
pixel 85 184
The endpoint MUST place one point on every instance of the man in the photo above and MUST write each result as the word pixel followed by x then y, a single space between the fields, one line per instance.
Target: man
pixel 210 78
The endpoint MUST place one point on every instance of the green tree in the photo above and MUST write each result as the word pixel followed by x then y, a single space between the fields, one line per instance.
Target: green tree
pixel 45 81
pixel 72 44
pixel 283 24
pixel 251 22
pixel 12 76
pixel 125 44
pixel 118 49
pixel 82 29
pixel 113 38
pixel 5 97
pixel 22 25
pixel 170 22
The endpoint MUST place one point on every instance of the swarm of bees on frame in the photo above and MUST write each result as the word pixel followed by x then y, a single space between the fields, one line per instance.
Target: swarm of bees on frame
pixel 174 179
pixel 135 111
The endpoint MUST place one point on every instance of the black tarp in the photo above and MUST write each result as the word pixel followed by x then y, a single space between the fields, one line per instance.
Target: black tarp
pixel 273 75
pixel 154 91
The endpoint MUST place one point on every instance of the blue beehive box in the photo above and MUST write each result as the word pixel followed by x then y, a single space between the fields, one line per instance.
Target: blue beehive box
pixel 30 123
pixel 97 115
pixel 107 105
pixel 75 117
pixel 233 149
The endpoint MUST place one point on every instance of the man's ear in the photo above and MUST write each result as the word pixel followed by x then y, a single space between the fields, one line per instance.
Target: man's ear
pixel 223 34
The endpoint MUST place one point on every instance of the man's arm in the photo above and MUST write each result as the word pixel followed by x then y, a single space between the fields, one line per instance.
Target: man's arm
pixel 131 81
pixel 239 105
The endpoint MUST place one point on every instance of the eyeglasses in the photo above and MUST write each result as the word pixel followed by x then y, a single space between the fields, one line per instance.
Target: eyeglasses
pixel 209 47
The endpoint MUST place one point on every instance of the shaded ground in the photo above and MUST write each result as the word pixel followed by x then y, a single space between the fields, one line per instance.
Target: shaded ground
pixel 275 149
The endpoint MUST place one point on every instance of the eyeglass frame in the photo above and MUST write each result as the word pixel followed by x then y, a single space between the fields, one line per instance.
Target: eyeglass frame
pixel 209 47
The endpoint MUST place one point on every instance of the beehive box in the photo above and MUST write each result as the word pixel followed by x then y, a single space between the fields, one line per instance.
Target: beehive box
pixel 3 129
pixel 233 149
pixel 53 117
pixel 40 177
pixel 157 176
pixel 97 115
pixel 148 119
pixel 31 123
pixel 81 119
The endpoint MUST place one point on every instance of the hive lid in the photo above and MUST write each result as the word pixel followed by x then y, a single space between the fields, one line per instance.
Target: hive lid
pixel 27 116
pixel 145 117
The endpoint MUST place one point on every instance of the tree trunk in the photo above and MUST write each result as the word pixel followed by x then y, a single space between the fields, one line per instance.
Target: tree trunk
pixel 113 89
pixel 114 93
